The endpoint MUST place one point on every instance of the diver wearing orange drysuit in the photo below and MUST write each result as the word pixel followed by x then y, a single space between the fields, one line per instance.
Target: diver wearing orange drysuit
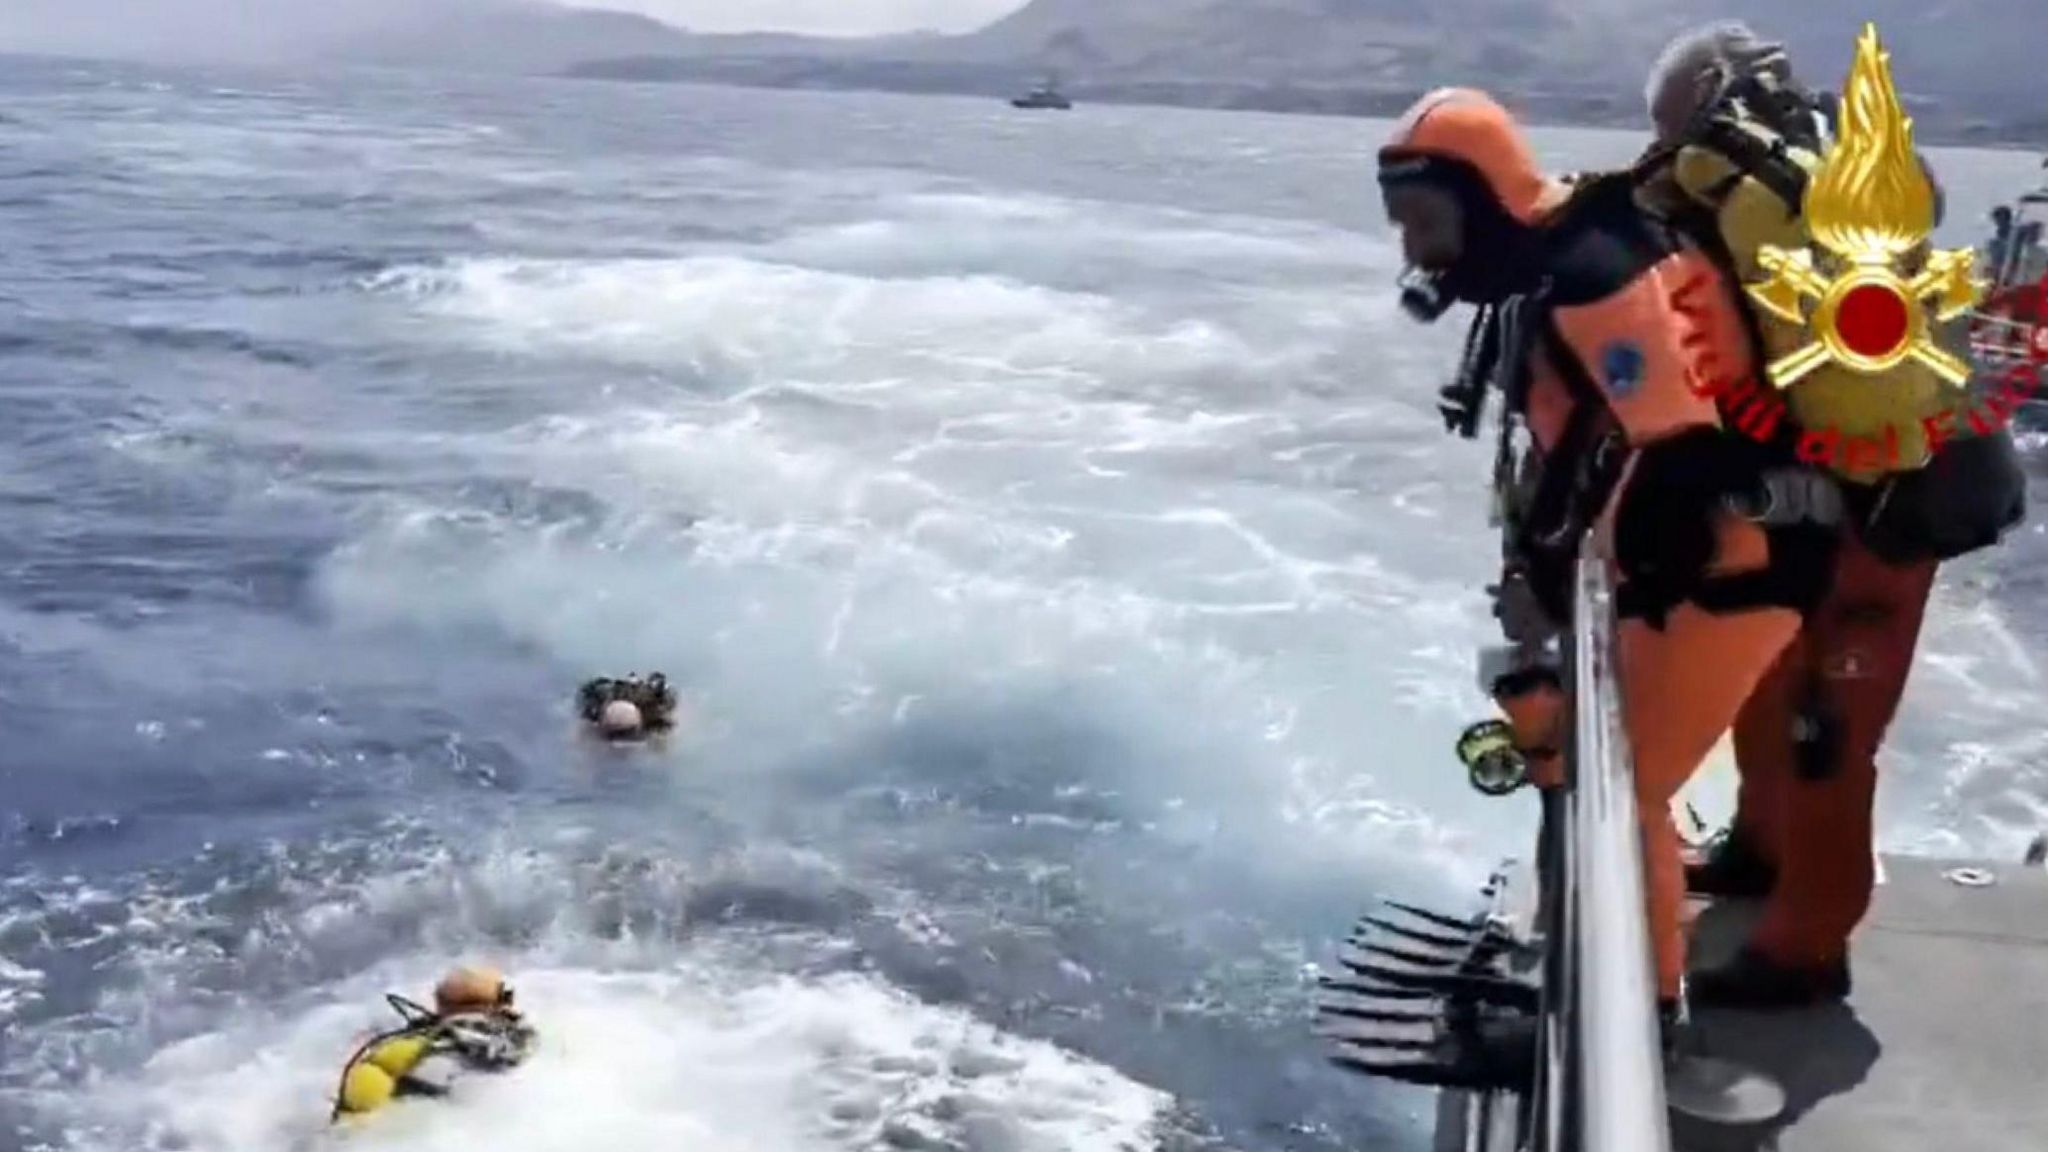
pixel 1806 748
pixel 1622 325
pixel 1806 741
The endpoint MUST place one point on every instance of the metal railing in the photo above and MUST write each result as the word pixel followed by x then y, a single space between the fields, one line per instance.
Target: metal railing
pixel 1597 1082
pixel 1615 1073
pixel 1599 1074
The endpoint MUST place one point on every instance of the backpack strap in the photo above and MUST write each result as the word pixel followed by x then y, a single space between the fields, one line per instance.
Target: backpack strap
pixel 1768 158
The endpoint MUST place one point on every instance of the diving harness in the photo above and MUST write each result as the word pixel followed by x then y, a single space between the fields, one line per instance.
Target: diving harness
pixel 1541 501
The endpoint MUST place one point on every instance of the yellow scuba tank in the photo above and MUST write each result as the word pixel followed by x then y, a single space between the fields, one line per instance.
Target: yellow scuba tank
pixel 370 1079
pixel 1748 179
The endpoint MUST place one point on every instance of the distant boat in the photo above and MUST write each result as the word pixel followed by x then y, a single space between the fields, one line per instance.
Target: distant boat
pixel 1046 95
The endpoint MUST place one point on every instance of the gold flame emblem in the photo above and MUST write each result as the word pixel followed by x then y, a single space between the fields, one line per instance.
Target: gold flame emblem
pixel 1869 207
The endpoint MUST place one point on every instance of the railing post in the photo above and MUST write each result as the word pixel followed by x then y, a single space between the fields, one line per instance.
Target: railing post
pixel 1550 1105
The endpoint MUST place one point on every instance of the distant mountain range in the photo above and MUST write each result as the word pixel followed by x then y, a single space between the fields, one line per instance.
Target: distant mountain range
pixel 497 35
pixel 1972 69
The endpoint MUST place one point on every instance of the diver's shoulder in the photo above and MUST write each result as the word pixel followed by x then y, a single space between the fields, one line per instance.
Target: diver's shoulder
pixel 1603 240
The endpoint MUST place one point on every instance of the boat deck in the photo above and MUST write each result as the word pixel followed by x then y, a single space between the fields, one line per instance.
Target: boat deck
pixel 1943 1042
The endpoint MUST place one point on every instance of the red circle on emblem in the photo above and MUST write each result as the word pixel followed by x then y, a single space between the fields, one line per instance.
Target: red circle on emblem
pixel 1872 320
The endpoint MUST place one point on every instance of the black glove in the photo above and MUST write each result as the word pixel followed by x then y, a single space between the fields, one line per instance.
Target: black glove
pixel 1664 529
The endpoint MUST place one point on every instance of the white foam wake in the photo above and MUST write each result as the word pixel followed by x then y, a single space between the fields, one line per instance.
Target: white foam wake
pixel 750 319
pixel 689 1057
pixel 977 440
pixel 659 1032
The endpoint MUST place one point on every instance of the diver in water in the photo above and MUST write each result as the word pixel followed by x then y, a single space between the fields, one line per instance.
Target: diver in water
pixel 473 1027
pixel 628 709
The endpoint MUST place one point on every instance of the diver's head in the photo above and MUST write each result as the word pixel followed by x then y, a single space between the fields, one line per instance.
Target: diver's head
pixel 1461 184
pixel 1697 65
pixel 621 720
pixel 468 989
pixel 2001 217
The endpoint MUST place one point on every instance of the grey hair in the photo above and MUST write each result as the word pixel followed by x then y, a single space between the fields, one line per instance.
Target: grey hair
pixel 1692 65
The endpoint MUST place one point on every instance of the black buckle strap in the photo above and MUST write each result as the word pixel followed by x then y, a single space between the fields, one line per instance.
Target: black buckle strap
pixel 1796 577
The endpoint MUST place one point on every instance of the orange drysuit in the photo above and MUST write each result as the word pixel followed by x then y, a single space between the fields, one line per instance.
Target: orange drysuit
pixel 1811 822
pixel 1636 332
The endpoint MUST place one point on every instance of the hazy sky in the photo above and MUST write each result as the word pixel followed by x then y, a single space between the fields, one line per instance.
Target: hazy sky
pixel 828 17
